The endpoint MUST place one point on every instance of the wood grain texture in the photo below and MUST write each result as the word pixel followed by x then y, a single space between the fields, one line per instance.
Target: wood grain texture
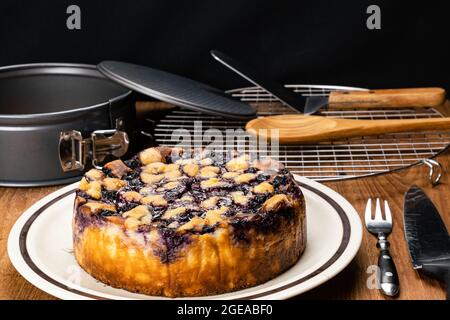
pixel 351 283
pixel 13 201
pixel 300 129
pixel 388 98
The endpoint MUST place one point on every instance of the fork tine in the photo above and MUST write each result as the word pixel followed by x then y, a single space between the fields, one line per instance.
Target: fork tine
pixel 378 214
pixel 387 212
pixel 368 213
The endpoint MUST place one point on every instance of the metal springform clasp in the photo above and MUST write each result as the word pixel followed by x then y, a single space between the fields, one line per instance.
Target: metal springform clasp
pixel 74 151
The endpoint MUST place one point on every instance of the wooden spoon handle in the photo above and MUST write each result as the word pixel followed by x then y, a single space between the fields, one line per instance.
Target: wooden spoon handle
pixel 299 129
pixel 388 98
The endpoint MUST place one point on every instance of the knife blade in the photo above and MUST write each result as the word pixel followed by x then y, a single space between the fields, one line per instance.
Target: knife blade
pixel 425 231
pixel 382 98
pixel 427 237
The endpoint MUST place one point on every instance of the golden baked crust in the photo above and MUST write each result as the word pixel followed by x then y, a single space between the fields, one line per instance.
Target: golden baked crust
pixel 166 224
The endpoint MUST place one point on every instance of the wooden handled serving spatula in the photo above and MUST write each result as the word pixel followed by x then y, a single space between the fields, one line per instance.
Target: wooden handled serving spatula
pixel 300 129
pixel 385 98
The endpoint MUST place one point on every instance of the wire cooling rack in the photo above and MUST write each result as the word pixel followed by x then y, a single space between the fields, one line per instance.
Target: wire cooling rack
pixel 337 160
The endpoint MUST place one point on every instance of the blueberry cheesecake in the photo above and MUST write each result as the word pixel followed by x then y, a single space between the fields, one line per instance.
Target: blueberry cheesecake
pixel 170 224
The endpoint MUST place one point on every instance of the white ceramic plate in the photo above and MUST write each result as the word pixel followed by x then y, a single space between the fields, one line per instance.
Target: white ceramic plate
pixel 40 248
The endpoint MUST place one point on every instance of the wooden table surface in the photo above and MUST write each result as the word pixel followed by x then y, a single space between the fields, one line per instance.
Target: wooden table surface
pixel 351 283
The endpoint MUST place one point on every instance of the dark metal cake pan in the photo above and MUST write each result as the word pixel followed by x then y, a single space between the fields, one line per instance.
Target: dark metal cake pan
pixel 46 113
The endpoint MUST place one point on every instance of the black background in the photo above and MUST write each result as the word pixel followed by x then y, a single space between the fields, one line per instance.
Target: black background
pixel 324 42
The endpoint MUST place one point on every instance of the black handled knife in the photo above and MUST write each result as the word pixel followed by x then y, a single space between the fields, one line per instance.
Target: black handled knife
pixel 427 237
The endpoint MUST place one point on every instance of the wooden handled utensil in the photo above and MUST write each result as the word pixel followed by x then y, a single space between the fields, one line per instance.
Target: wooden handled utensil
pixel 387 98
pixel 381 98
pixel 300 129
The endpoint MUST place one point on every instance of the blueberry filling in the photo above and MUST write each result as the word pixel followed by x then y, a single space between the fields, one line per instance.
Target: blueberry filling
pixel 279 181
pixel 183 218
pixel 123 206
pixel 258 200
pixel 263 223
pixel 82 194
pixel 157 212
pixel 108 213
pixel 244 188
pixel 208 229
pixel 83 220
pixel 109 196
pixel 173 242
pixel 175 193
pixel 252 170
pixel 107 172
pixel 134 184
pixel 133 163
pixel 251 215
pixel 225 202
pixel 262 177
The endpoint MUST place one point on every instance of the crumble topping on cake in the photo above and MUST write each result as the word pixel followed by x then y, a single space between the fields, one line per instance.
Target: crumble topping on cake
pixel 175 223
pixel 188 195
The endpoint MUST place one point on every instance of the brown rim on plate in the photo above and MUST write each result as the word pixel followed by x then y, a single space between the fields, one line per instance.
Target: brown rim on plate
pixel 341 249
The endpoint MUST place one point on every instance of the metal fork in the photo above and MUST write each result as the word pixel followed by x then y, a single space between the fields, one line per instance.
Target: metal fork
pixel 381 228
